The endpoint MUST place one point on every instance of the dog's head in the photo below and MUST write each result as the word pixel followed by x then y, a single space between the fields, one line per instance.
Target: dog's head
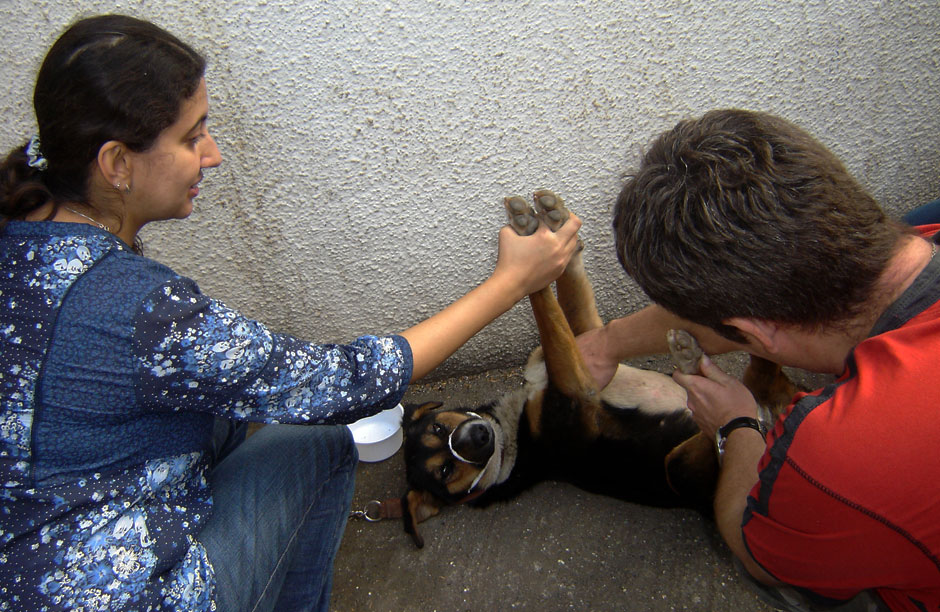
pixel 451 456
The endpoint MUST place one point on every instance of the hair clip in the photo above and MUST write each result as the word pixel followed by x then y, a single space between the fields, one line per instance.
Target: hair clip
pixel 34 157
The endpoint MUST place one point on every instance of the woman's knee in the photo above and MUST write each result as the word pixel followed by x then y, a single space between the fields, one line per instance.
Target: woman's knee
pixel 338 441
pixel 342 449
pixel 324 449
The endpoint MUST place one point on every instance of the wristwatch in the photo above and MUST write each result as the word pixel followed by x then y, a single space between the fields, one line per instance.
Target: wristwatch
pixel 721 436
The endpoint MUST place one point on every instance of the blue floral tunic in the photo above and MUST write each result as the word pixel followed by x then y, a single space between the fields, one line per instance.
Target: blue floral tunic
pixel 112 370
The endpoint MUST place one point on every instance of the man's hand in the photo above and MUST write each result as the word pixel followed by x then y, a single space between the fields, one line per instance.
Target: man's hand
pixel 714 397
pixel 596 350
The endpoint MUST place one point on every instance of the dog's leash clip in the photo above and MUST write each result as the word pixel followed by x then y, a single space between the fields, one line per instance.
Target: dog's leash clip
pixel 372 512
pixel 375 510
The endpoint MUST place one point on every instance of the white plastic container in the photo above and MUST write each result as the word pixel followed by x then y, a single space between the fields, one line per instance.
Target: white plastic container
pixel 379 436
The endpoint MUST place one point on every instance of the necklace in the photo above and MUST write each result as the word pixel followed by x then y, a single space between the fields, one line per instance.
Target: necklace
pixel 99 224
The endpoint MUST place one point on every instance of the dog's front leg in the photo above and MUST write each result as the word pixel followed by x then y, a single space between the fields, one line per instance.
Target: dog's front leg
pixel 575 294
pixel 566 370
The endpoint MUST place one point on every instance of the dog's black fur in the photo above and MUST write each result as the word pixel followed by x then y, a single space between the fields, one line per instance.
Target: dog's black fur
pixel 634 440
pixel 628 467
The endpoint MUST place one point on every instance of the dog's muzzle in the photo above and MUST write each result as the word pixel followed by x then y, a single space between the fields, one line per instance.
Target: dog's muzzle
pixel 472 441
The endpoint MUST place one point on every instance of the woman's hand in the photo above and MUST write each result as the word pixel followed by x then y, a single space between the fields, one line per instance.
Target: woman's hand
pixel 715 397
pixel 525 264
pixel 530 263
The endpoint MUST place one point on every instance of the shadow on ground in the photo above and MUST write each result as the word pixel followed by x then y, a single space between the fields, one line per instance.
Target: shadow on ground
pixel 553 548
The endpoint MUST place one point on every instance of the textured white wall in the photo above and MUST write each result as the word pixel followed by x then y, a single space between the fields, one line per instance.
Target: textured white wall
pixel 368 144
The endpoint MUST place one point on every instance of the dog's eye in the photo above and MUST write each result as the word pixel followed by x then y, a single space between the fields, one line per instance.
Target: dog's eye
pixel 446 470
pixel 438 429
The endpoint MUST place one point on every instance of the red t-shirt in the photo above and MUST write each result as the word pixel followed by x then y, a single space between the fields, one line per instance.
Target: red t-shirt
pixel 849 491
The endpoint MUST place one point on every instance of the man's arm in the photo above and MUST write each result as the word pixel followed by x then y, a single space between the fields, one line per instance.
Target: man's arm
pixel 715 398
pixel 743 449
pixel 639 334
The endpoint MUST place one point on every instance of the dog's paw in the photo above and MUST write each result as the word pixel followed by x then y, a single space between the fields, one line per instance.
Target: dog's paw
pixel 551 209
pixel 684 350
pixel 522 217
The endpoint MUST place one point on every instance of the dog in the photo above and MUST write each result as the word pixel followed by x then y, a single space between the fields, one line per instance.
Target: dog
pixel 635 439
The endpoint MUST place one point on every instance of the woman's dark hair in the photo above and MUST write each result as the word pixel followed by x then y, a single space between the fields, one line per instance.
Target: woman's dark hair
pixel 106 78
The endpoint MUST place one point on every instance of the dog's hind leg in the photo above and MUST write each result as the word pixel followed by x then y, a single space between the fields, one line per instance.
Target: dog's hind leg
pixel 692 472
pixel 684 350
pixel 692 466
pixel 772 389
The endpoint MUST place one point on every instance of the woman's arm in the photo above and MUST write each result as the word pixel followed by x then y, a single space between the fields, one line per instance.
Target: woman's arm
pixel 525 264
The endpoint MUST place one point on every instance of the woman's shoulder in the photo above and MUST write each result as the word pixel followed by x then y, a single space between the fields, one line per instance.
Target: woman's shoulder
pixel 40 241
pixel 67 253
pixel 54 256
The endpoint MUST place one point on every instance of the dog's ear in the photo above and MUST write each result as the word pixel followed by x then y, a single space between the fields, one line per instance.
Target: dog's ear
pixel 413 412
pixel 418 506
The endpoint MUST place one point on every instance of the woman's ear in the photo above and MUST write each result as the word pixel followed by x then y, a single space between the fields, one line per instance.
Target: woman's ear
pixel 114 164
pixel 758 332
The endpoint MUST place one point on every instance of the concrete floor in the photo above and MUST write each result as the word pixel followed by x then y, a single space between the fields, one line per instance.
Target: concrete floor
pixel 553 548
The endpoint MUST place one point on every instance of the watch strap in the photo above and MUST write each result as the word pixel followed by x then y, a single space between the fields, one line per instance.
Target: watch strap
pixel 725 430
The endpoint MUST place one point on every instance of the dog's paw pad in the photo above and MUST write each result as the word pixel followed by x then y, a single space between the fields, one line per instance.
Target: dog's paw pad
pixel 522 217
pixel 551 209
pixel 684 350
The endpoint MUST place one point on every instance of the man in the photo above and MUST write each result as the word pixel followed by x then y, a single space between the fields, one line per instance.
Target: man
pixel 751 235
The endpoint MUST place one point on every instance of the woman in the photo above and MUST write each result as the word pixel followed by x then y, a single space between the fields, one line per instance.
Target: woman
pixel 125 487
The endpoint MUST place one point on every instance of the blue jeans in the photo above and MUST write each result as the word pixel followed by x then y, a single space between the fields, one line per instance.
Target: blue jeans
pixel 281 500
pixel 924 215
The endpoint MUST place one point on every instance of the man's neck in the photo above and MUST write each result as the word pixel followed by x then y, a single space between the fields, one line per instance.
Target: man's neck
pixel 910 260
pixel 826 350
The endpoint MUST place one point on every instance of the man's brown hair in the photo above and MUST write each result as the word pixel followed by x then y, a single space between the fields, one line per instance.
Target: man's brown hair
pixel 743 214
